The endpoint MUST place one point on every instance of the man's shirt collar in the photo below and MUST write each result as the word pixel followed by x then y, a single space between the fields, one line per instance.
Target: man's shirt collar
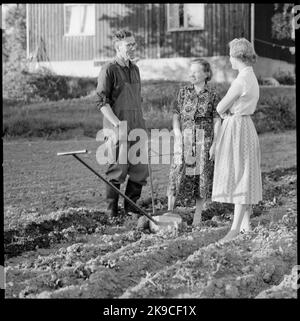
pixel 122 63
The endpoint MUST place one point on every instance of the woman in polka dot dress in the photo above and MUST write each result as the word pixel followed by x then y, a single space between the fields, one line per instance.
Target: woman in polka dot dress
pixel 237 173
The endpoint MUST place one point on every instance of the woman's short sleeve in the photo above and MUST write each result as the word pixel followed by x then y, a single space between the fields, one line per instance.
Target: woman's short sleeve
pixel 178 102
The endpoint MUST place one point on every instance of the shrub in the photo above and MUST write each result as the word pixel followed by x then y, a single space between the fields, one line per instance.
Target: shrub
pixel 267 81
pixel 285 78
pixel 161 95
pixel 275 113
pixel 48 85
pixel 276 109
pixel 66 118
pixel 44 85
pixel 15 83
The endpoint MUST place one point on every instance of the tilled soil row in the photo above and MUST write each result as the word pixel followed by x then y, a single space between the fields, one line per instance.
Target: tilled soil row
pixel 56 227
pixel 286 289
pixel 110 259
pixel 32 230
pixel 238 269
pixel 109 275
pixel 40 267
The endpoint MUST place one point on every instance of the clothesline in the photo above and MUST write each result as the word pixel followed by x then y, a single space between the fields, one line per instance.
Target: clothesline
pixel 273 44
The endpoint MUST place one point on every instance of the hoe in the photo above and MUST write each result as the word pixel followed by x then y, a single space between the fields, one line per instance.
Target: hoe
pixel 157 222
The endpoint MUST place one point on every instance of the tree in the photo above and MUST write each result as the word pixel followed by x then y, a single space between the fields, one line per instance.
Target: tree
pixel 14 35
pixel 15 80
pixel 282 21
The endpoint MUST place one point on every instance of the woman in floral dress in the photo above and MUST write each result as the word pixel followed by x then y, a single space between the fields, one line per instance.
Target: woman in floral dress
pixel 196 124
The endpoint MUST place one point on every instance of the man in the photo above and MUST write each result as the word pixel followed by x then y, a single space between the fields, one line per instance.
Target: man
pixel 119 99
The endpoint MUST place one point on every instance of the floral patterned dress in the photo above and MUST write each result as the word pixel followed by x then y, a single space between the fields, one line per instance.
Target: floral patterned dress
pixel 189 179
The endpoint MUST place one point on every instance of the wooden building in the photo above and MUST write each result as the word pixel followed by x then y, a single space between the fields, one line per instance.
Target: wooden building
pixel 60 32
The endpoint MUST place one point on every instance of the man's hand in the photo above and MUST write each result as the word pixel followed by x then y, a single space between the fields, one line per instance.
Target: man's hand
pixel 122 130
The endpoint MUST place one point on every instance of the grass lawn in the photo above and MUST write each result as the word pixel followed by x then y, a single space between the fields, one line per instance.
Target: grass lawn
pixel 66 119
pixel 278 150
pixel 35 179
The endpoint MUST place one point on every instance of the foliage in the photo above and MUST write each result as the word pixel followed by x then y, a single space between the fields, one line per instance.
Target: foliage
pixel 66 118
pixel 285 78
pixel 15 84
pixel 267 81
pixel 274 114
pixel 282 21
pixel 48 85
pixel 14 35
pixel 44 85
pixel 55 87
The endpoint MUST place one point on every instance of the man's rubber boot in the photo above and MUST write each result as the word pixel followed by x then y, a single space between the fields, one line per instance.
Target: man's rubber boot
pixel 133 191
pixel 112 198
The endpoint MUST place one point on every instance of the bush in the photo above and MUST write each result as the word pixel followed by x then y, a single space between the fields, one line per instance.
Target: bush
pixel 43 85
pixel 276 111
pixel 267 81
pixel 275 114
pixel 161 95
pixel 285 78
pixel 16 85
pixel 50 86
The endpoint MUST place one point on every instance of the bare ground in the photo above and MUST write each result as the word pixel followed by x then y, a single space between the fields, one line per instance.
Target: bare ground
pixel 57 248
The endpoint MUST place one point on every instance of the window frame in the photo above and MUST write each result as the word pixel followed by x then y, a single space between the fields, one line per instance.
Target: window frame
pixel 65 20
pixel 169 29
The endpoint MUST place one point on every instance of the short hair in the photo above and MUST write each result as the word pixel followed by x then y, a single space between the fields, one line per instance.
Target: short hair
pixel 206 67
pixel 243 50
pixel 120 35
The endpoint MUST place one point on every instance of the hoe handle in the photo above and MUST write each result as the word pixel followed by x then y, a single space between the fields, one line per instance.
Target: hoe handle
pixel 84 151
pixel 114 187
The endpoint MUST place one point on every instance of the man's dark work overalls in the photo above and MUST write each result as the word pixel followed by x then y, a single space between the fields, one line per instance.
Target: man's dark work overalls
pixel 127 106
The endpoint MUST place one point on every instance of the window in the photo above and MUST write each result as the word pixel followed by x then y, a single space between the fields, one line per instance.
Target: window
pixel 185 16
pixel 79 19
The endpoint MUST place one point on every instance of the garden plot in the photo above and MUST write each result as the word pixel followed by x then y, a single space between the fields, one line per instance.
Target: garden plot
pixel 242 268
pixel 81 253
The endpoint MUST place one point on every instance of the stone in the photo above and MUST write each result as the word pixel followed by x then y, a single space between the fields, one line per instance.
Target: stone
pixel 142 223
pixel 231 291
pixel 166 221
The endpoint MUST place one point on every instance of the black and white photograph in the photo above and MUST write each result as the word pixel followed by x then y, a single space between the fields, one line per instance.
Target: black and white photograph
pixel 149 152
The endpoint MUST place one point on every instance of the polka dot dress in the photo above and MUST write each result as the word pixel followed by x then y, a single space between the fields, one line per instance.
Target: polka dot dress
pixel 237 173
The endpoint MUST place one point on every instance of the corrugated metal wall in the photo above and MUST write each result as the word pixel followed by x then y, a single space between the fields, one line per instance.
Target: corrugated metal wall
pixel 223 22
pixel 46 21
